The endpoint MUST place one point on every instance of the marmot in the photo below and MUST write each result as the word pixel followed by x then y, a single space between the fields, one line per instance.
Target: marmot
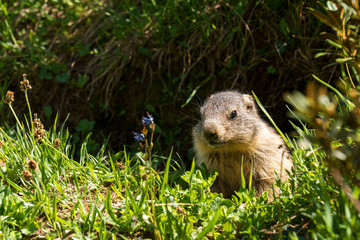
pixel 231 131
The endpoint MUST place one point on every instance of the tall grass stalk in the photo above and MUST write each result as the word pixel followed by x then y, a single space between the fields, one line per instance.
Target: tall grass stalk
pixel 148 148
pixel 30 113
pixel 14 114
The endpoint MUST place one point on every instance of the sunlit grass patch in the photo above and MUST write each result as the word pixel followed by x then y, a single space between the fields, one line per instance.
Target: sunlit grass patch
pixel 45 192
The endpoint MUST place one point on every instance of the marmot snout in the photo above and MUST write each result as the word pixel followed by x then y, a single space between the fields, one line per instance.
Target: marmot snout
pixel 230 131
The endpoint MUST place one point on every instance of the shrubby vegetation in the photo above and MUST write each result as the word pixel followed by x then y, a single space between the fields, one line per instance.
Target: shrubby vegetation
pixel 50 189
pixel 335 116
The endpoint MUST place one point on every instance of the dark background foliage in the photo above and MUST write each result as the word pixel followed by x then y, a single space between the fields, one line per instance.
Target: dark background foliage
pixel 107 62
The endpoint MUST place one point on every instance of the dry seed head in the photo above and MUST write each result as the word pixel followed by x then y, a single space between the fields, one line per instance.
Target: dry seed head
pixel 39 134
pixel 39 131
pixel 1 143
pixel 25 84
pixel 27 175
pixel 9 97
pixel 57 143
pixel 32 164
pixel 319 121
pixel 121 165
pixel 181 210
pixel 353 93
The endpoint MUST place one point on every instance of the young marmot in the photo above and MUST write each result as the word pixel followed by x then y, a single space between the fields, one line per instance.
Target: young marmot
pixel 229 132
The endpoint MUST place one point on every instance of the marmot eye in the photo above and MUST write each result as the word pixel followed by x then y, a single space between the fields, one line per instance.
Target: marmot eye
pixel 233 114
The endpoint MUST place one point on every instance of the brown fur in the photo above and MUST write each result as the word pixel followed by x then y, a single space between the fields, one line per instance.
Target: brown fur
pixel 222 143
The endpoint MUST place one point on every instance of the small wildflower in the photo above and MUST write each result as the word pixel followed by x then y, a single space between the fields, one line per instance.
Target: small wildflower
pixel 9 97
pixel 25 84
pixel 138 136
pixel 39 131
pixel 148 120
pixel 32 164
pixel 27 175
pixel 57 143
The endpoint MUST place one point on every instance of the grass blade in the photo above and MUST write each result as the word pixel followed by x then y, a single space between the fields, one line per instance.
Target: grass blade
pixel 271 120
pixel 166 178
pixel 211 224
pixel 109 208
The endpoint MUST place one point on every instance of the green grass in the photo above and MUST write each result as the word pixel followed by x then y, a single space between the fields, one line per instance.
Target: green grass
pixel 49 189
pixel 119 196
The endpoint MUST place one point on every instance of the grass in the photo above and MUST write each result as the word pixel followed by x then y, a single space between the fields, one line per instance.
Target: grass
pixel 46 192
pixel 154 55
pixel 49 189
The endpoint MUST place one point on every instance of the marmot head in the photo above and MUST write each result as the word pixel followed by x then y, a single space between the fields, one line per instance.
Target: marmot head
pixel 229 121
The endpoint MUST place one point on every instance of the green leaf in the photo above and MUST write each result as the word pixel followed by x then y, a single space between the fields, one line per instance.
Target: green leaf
pixel 85 126
pixel 284 28
pixel 343 60
pixel 331 6
pixel 82 80
pixel 194 91
pixel 334 44
pixel 4 9
pixel 48 111
pixel 271 120
pixel 334 89
pixel 243 183
pixel 251 173
pixel 109 209
pixel 320 54
pixel 145 51
pixel 210 225
pixel 271 69
pixel 29 229
pixel 165 178
pixel 45 74
pixel 150 108
pixel 274 4
pixel 62 78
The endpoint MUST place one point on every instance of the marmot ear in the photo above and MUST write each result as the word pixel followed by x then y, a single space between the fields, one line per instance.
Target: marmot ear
pixel 249 103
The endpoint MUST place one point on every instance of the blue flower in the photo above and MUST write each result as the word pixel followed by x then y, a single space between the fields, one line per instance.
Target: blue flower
pixel 138 136
pixel 148 120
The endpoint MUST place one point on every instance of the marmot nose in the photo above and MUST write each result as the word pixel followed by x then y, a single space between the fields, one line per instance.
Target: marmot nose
pixel 211 135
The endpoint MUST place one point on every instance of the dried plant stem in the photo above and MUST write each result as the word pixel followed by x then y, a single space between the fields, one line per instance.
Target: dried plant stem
pixel 17 120
pixel 31 120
